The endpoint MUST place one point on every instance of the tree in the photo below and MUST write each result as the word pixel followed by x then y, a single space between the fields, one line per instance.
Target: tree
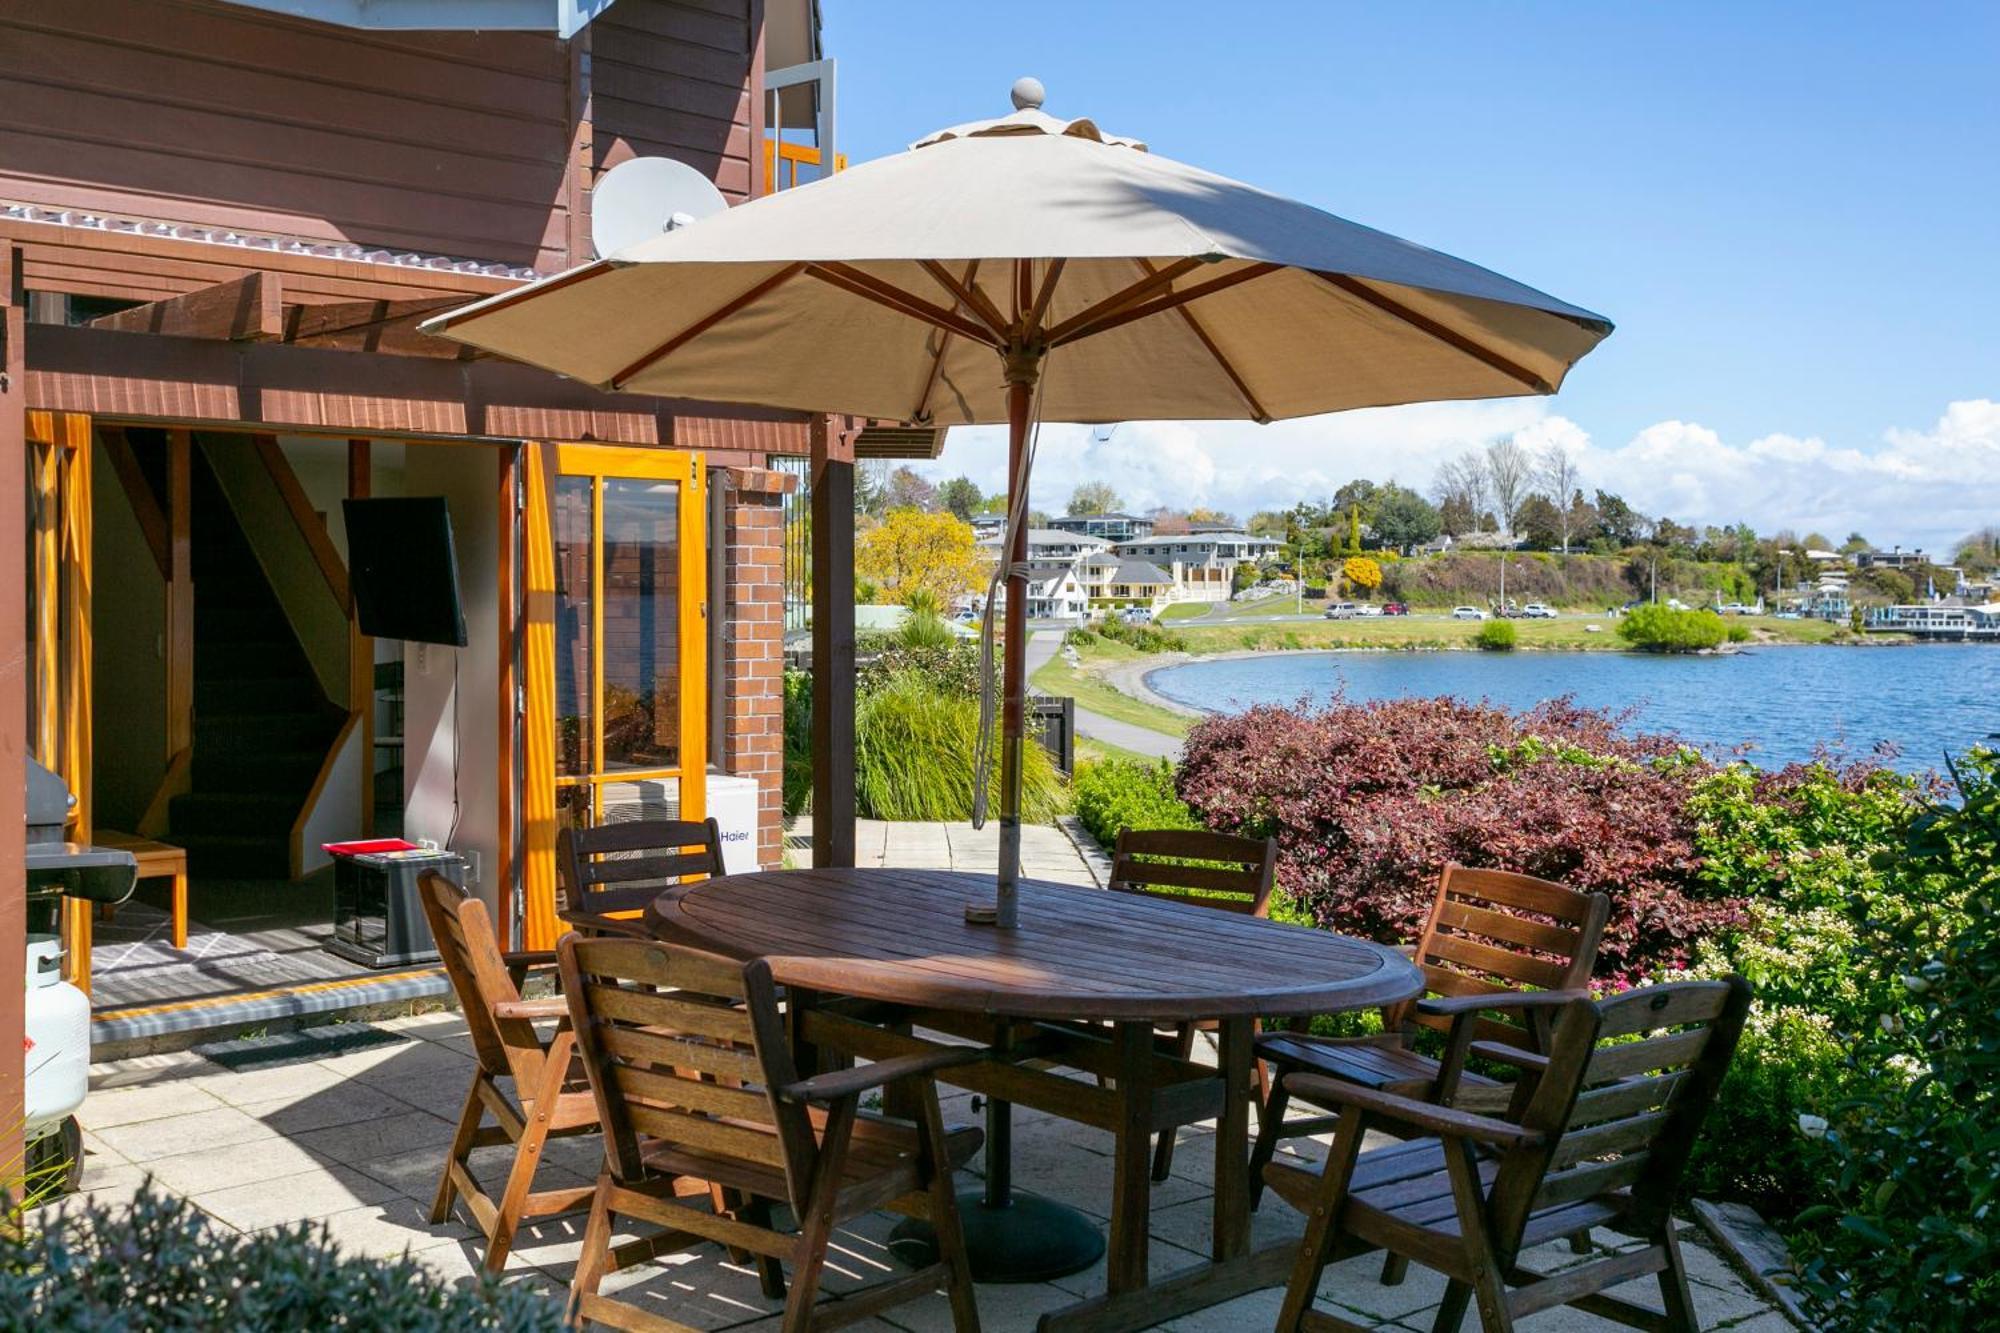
pixel 1855 544
pixel 1509 470
pixel 871 488
pixel 1556 469
pixel 1618 522
pixel 1580 518
pixel 1460 491
pixel 1404 519
pixel 1362 573
pixel 1094 497
pixel 906 490
pixel 960 497
pixel 1540 524
pixel 1203 514
pixel 912 551
pixel 1670 534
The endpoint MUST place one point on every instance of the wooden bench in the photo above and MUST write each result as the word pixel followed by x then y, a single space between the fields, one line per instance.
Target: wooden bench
pixel 156 859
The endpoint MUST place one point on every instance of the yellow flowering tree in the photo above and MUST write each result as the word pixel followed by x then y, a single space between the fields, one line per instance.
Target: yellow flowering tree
pixel 911 551
pixel 1362 573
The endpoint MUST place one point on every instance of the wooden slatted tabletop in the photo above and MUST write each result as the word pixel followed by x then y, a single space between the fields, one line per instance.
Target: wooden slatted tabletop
pixel 901 936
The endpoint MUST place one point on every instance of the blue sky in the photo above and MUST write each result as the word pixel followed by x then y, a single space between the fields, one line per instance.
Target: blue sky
pixel 1791 212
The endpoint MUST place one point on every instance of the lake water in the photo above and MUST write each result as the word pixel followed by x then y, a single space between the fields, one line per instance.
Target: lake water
pixel 1777 703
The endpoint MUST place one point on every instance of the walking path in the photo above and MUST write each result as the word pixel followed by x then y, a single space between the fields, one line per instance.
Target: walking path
pixel 1042 649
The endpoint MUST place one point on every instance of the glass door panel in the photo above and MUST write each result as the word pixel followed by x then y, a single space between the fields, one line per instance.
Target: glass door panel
pixel 641 582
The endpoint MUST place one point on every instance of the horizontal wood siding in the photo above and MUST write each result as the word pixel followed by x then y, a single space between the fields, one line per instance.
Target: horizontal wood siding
pixel 218 114
pixel 671 78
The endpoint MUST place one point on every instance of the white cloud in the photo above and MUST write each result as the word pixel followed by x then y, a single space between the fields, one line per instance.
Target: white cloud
pixel 1915 487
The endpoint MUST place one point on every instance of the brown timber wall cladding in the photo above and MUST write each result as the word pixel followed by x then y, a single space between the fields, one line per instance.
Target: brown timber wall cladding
pixel 449 143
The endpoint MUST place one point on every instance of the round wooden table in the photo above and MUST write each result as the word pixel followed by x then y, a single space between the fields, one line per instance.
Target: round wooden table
pixel 1080 956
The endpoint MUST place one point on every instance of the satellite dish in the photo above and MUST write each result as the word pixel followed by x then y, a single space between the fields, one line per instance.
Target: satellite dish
pixel 644 196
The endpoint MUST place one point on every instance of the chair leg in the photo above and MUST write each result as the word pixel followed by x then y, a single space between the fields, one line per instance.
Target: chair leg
pixel 1323 1228
pixel 1395 1267
pixel 816 1227
pixel 1163 1150
pixel 770 1270
pixel 1270 1126
pixel 945 1224
pixel 1674 1293
pixel 514 1196
pixel 1451 1310
pixel 1487 1287
pixel 460 1152
pixel 595 1257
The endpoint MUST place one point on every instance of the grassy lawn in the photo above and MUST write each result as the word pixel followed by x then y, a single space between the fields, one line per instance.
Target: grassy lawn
pixel 1091 751
pixel 1086 684
pixel 1407 632
pixel 1183 611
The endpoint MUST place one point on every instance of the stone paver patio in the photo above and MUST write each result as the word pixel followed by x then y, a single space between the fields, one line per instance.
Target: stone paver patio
pixel 357 1140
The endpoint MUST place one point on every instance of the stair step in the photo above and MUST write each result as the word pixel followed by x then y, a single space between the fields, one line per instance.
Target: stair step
pixel 239 623
pixel 257 814
pixel 236 732
pixel 286 693
pixel 238 856
pixel 227 658
pixel 253 770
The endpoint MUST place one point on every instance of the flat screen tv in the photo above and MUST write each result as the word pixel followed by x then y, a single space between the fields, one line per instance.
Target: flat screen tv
pixel 403 569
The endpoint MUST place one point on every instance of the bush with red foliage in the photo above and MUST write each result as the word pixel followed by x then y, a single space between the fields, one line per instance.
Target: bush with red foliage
pixel 1369 801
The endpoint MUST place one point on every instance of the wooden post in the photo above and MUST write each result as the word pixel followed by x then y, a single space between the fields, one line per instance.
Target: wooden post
pixel 360 647
pixel 833 644
pixel 180 592
pixel 13 702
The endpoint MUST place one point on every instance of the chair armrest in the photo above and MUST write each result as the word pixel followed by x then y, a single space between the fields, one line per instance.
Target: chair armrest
pixel 1451 1006
pixel 528 959
pixel 1504 1054
pixel 553 1007
pixel 594 922
pixel 1445 1121
pixel 849 1082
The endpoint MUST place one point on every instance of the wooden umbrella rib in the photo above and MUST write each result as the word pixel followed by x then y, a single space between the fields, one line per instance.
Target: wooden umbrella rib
pixel 1450 337
pixel 1170 301
pixel 591 270
pixel 868 287
pixel 1257 412
pixel 922 413
pixel 706 322
pixel 1040 309
pixel 966 292
pixel 1111 305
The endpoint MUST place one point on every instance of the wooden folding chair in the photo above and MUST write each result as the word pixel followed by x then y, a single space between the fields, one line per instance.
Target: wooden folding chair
pixel 695 1083
pixel 1489 932
pixel 1605 1131
pixel 549 1097
pixel 1237 875
pixel 607 875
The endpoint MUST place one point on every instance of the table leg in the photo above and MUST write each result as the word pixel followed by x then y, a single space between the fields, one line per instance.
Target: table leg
pixel 180 909
pixel 1132 1175
pixel 1235 1046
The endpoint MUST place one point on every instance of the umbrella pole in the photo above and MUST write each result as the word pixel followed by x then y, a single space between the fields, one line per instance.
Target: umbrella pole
pixel 1014 663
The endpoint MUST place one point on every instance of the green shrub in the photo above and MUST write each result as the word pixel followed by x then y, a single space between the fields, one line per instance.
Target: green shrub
pixel 1114 794
pixel 798 770
pixel 1911 1236
pixel 161 1264
pixel 1663 629
pixel 1496 636
pixel 1145 638
pixel 951 667
pixel 1739 633
pixel 1789 1060
pixel 914 757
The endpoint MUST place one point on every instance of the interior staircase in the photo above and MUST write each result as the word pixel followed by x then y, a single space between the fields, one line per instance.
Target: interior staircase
pixel 262 724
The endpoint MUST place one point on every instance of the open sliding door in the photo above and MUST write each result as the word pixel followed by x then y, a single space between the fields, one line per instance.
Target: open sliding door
pixel 613 650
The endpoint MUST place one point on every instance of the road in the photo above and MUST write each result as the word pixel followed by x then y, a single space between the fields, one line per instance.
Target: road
pixel 1043 645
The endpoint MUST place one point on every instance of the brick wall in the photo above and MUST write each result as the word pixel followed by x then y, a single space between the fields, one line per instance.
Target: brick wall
pixel 753 742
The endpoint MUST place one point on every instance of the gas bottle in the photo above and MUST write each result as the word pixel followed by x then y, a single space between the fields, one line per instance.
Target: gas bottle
pixel 57 1058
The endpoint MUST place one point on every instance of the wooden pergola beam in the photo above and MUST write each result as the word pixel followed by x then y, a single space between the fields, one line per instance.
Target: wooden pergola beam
pixel 388 327
pixel 245 309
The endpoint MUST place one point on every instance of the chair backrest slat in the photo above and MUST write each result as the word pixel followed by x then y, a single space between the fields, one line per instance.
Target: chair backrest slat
pixel 472 960
pixel 1617 1113
pixel 657 851
pixel 1495 930
pixel 1237 874
pixel 685 1047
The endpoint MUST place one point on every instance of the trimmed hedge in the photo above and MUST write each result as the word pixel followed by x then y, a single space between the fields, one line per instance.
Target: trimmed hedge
pixel 1114 794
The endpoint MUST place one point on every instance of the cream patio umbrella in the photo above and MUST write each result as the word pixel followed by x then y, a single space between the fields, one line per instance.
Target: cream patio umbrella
pixel 1035 267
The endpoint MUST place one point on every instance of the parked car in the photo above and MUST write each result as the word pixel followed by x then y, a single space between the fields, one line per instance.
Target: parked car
pixel 1735 609
pixel 1395 609
pixel 1342 611
pixel 1538 611
pixel 1467 613
pixel 1137 615
pixel 1367 609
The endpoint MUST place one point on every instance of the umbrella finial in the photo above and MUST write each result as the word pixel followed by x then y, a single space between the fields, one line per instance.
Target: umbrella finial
pixel 1028 92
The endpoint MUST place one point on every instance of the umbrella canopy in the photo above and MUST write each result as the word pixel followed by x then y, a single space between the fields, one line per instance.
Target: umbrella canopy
pixel 938 286
pixel 885 290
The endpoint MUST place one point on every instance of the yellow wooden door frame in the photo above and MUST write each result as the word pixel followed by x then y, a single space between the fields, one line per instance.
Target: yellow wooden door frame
pixel 543 464
pixel 59 449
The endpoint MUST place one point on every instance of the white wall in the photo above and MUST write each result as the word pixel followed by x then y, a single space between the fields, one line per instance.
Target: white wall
pixel 128 658
pixel 468 477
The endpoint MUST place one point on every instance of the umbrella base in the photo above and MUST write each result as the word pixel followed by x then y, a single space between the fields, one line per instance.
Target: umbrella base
pixel 1029 1239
